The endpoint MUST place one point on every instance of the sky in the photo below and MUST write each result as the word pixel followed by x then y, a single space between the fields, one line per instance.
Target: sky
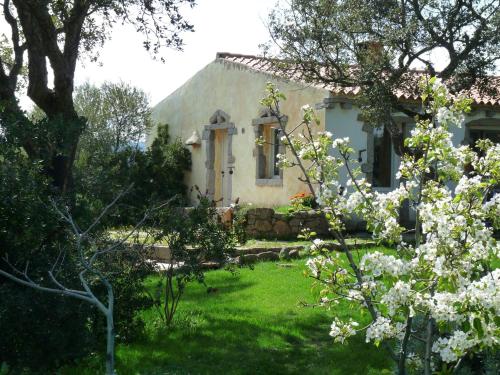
pixel 236 26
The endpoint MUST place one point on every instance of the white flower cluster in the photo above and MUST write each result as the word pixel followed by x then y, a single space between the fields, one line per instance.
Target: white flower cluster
pixel 317 244
pixel 484 293
pixel 382 329
pixel 340 142
pixel 468 183
pixel 317 264
pixel 442 307
pixel 377 264
pixel 399 295
pixel 447 116
pixel 306 108
pixel 340 331
pixel 380 210
pixel 326 134
pixel 492 206
pixel 454 347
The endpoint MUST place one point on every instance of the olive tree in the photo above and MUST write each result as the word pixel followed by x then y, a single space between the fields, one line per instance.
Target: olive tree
pixel 370 48
pixel 46 41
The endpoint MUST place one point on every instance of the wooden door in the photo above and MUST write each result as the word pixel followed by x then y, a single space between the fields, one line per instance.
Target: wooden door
pixel 221 168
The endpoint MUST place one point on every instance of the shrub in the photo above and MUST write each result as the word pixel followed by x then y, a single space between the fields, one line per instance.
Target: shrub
pixel 38 330
pixel 194 236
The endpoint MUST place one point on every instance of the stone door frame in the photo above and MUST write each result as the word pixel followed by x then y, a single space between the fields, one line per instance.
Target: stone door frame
pixel 220 120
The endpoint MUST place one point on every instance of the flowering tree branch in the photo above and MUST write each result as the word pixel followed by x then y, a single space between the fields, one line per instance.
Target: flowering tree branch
pixel 438 290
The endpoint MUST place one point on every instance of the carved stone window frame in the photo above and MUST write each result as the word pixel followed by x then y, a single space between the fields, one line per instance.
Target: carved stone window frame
pixel 266 118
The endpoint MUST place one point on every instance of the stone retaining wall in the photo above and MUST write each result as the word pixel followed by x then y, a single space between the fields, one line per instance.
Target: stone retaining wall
pixel 266 223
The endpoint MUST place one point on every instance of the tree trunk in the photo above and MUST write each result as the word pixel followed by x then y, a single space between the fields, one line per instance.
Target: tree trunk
pixel 61 155
pixel 110 331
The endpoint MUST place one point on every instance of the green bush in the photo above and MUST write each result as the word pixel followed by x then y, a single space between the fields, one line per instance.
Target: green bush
pixel 126 269
pixel 38 330
pixel 156 175
pixel 42 331
pixel 194 236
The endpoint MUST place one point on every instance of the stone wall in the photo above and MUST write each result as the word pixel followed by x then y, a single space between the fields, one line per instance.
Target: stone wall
pixel 266 223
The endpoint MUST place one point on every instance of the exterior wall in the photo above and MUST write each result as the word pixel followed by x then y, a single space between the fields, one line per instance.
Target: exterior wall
pixel 237 91
pixel 344 122
pixel 265 223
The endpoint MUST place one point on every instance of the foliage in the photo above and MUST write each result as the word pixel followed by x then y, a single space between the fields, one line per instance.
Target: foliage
pixel 126 269
pixel 34 239
pixel 194 236
pixel 38 163
pixel 156 175
pixel 168 160
pixel 118 116
pixel 90 278
pixel 302 201
pixel 240 222
pixel 38 331
pixel 437 298
pixel 47 40
pixel 374 45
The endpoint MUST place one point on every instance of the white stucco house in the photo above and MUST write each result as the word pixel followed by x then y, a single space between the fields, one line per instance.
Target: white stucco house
pixel 217 112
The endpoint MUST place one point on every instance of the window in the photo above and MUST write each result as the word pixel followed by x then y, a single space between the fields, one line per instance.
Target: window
pixel 489 131
pixel 274 150
pixel 267 129
pixel 382 157
pixel 477 134
pixel 270 150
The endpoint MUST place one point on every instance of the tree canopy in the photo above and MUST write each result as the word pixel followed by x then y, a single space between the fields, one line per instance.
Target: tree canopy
pixel 47 38
pixel 375 44
pixel 118 115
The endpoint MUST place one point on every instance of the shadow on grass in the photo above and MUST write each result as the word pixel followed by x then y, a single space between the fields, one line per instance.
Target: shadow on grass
pixel 248 326
pixel 238 346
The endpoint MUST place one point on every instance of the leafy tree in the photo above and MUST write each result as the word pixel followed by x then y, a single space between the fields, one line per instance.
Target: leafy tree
pixel 47 38
pixel 374 45
pixel 38 331
pixel 109 151
pixel 168 161
pixel 156 175
pixel 195 236
pixel 90 280
pixel 118 115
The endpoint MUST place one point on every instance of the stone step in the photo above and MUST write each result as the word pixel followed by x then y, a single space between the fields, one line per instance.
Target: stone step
pixel 161 253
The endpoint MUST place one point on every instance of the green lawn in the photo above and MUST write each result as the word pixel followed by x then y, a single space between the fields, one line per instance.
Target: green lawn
pixel 253 324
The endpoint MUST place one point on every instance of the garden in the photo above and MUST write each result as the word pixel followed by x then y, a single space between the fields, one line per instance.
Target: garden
pixel 255 321
pixel 110 264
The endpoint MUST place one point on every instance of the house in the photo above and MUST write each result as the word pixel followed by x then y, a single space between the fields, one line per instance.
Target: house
pixel 217 113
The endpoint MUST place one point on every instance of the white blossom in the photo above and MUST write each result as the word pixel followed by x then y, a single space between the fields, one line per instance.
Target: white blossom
pixel 340 331
pixel 450 349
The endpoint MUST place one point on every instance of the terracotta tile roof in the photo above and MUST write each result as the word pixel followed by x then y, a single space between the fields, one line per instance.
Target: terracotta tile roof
pixel 409 92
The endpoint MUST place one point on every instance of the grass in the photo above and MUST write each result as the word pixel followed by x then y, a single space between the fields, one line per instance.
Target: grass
pixel 283 209
pixel 253 324
pixel 142 237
